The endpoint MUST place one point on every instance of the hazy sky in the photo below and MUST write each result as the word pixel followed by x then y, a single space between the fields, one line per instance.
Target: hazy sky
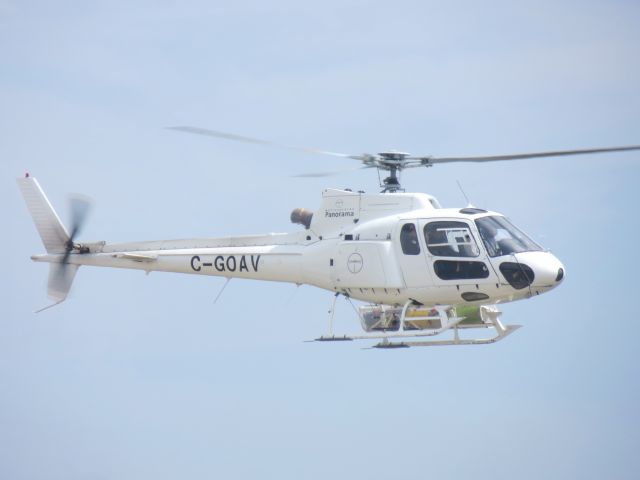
pixel 145 377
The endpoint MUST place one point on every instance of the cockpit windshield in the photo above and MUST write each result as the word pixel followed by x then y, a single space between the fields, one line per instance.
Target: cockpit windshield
pixel 501 237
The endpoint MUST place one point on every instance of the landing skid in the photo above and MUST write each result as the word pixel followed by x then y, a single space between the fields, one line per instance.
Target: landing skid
pixel 411 325
pixel 499 335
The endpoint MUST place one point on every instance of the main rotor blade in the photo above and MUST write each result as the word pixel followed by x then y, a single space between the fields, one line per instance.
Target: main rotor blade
pixel 257 141
pixel 316 175
pixel 521 156
pixel 327 174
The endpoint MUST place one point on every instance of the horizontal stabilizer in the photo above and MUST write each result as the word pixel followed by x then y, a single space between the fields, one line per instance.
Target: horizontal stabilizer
pixel 138 257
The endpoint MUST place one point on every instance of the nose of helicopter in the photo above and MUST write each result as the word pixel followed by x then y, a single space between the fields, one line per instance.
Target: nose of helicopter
pixel 548 271
pixel 539 271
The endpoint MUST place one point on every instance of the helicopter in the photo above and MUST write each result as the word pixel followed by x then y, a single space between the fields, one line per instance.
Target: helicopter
pixel 421 270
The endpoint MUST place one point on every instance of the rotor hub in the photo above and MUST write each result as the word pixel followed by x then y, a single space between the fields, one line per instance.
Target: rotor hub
pixel 394 156
pixel 393 162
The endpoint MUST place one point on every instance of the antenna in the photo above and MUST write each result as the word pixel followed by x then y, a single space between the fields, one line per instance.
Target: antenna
pixel 222 289
pixel 469 204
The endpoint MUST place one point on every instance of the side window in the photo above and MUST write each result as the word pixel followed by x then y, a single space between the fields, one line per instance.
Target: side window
pixel 460 269
pixel 409 239
pixel 450 239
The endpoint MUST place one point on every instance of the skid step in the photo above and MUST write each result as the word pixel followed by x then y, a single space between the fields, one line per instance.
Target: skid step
pixel 392 345
pixel 334 338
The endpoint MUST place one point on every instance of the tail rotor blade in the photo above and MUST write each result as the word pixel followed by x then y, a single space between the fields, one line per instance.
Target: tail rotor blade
pixel 80 206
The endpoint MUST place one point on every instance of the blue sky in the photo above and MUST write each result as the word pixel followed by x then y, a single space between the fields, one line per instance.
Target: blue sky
pixel 144 377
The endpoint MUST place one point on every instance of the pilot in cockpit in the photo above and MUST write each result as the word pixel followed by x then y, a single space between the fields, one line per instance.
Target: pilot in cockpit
pixel 488 233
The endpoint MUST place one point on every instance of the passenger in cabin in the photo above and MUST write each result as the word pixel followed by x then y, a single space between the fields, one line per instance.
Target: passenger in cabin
pixel 409 239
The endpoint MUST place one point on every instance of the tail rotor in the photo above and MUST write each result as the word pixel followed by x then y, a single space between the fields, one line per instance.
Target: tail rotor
pixel 80 207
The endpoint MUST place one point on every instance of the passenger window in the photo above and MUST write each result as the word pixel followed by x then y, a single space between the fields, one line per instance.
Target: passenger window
pixel 460 270
pixel 409 239
pixel 450 239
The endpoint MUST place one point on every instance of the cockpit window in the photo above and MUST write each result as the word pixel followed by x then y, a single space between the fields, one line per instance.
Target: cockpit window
pixel 450 239
pixel 409 239
pixel 501 237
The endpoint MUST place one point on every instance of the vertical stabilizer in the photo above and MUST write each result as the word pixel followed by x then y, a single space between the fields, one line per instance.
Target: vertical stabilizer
pixel 52 232
pixel 54 236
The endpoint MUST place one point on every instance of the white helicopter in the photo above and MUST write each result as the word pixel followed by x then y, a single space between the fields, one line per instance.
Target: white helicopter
pixel 422 270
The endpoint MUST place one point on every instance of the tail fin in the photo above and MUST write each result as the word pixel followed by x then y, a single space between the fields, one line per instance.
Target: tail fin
pixel 52 232
pixel 60 280
pixel 54 237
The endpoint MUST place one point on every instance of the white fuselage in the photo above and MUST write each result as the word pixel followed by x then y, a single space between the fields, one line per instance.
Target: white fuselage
pixel 352 246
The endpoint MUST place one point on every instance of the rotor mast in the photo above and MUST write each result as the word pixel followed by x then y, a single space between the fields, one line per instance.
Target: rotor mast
pixel 393 162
